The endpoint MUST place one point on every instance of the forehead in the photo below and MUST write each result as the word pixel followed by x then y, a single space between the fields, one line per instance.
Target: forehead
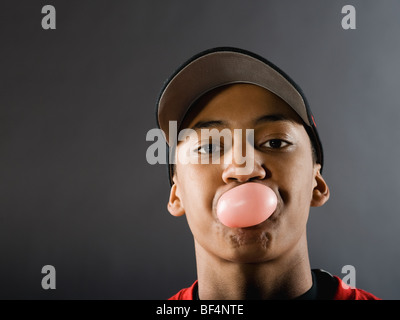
pixel 239 105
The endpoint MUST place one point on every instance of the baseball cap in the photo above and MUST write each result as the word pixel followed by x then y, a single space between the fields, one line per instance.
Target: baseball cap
pixel 221 66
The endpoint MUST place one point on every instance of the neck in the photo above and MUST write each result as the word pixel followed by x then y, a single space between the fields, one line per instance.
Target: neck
pixel 286 277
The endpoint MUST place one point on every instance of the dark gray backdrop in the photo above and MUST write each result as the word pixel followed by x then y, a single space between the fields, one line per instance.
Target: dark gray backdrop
pixel 76 103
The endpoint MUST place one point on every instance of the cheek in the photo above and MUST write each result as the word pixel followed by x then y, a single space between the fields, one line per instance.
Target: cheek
pixel 294 176
pixel 198 185
pixel 294 185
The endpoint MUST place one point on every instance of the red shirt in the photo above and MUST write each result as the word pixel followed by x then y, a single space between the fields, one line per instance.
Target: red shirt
pixel 343 292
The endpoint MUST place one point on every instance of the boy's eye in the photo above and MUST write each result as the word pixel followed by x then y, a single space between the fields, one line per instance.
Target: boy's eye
pixel 208 148
pixel 276 144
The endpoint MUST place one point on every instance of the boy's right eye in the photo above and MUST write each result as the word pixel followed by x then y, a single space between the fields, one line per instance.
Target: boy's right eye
pixel 208 148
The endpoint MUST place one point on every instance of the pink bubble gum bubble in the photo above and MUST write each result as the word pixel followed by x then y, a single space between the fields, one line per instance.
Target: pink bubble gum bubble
pixel 246 205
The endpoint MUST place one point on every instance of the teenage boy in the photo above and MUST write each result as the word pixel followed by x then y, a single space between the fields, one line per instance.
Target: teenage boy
pixel 231 89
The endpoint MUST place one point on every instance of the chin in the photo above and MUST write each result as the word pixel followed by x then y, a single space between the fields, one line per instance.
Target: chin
pixel 248 245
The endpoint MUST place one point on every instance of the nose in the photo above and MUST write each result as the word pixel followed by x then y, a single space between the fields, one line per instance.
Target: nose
pixel 238 173
pixel 243 169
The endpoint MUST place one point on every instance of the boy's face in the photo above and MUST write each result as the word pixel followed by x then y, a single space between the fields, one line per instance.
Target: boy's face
pixel 282 160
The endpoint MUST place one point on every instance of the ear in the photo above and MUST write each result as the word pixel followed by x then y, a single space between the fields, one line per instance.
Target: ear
pixel 321 192
pixel 175 206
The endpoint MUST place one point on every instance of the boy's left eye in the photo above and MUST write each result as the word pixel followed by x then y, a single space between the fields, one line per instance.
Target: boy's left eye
pixel 276 144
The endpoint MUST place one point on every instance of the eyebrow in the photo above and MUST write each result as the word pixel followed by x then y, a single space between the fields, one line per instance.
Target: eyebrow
pixel 272 118
pixel 209 124
pixel 260 120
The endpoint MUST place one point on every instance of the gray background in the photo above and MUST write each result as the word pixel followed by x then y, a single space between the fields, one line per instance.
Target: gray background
pixel 76 103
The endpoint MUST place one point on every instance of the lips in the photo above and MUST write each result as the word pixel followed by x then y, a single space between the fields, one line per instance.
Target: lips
pixel 246 205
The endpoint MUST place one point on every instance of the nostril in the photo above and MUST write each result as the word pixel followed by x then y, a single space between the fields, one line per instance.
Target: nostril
pixel 235 173
pixel 267 173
